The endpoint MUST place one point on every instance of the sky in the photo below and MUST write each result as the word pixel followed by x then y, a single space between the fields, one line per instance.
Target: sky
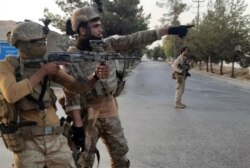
pixel 18 10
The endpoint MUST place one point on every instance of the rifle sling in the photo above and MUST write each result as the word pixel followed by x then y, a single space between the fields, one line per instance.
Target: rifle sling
pixel 40 101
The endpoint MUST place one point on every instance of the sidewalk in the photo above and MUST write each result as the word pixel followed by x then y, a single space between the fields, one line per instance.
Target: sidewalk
pixel 236 82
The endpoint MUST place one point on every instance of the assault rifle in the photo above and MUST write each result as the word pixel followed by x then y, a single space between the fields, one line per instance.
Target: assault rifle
pixel 185 68
pixel 75 57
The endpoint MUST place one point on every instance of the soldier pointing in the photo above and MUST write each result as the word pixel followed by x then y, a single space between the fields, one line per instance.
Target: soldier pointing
pixel 101 102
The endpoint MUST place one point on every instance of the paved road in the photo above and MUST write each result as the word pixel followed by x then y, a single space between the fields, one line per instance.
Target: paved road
pixel 212 132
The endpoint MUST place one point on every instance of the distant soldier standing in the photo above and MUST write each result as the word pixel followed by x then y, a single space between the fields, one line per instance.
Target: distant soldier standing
pixel 181 68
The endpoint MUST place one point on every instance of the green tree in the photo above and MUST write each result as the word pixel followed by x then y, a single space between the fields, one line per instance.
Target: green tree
pixel 67 7
pixel 222 29
pixel 118 17
pixel 149 53
pixel 167 47
pixel 156 53
pixel 124 17
pixel 174 8
pixel 239 25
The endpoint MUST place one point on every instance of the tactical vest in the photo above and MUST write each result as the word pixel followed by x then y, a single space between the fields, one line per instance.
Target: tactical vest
pixel 30 101
pixel 8 111
pixel 13 130
pixel 87 69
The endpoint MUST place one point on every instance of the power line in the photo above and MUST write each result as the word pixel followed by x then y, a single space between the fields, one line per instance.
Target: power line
pixel 198 10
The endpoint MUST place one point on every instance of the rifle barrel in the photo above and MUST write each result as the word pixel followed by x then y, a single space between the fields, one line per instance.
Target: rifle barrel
pixel 77 57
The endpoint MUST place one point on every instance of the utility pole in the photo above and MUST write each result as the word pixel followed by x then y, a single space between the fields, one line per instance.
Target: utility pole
pixel 198 9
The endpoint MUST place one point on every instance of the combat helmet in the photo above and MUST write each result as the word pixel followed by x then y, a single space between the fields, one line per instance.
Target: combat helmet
pixel 27 31
pixel 84 14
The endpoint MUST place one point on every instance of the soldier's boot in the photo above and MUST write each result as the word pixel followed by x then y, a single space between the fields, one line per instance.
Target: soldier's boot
pixel 182 104
pixel 124 164
pixel 179 105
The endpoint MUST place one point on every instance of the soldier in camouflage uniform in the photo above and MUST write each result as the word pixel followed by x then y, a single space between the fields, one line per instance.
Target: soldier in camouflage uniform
pixel 181 68
pixel 28 119
pixel 100 101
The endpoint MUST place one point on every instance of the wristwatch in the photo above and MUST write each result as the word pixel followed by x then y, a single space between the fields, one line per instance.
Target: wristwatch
pixel 95 76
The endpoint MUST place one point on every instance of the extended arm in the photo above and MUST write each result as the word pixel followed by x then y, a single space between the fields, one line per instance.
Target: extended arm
pixel 143 38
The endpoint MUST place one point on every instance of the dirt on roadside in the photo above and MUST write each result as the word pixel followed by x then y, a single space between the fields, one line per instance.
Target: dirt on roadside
pixel 239 73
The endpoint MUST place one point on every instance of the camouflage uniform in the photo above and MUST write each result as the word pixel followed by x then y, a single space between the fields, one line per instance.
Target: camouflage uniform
pixel 107 125
pixel 42 144
pixel 180 67
pixel 100 102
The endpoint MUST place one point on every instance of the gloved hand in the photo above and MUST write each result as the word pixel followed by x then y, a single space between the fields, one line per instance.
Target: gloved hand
pixel 78 137
pixel 181 30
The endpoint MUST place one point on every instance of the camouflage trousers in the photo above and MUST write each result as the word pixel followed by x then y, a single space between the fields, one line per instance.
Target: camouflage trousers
pixel 179 88
pixel 50 151
pixel 111 133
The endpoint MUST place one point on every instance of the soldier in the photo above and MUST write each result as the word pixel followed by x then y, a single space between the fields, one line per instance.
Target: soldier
pixel 181 68
pixel 28 121
pixel 100 102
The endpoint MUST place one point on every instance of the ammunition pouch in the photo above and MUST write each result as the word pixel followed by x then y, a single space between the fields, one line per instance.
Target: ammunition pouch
pixel 92 94
pixel 9 132
pixel 14 141
pixel 66 124
pixel 7 110
pixel 12 137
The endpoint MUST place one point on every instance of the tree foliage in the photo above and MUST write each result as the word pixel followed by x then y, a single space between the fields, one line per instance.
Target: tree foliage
pixel 67 7
pixel 156 53
pixel 124 17
pixel 118 17
pixel 223 29
pixel 175 8
pixel 172 44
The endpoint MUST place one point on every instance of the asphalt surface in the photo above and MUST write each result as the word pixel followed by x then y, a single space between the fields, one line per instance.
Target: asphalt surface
pixel 212 132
